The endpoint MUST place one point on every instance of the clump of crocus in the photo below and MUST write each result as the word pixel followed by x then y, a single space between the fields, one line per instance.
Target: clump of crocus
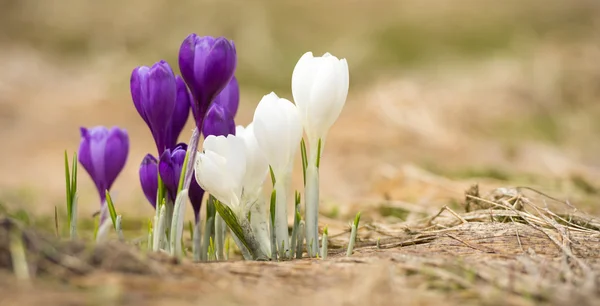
pixel 278 131
pixel 319 87
pixel 103 153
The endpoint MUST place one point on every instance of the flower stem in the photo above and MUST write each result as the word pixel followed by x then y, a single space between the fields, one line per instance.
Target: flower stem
pixel 312 208
pixel 119 228
pixel 177 222
pixel 219 236
pixel 159 230
pixel 209 227
pixel 197 241
pixel 325 243
pixel 297 218
pixel 245 253
pixel 193 150
pixel 353 235
pixel 260 224
pixel 300 241
pixel 73 221
pixel 281 226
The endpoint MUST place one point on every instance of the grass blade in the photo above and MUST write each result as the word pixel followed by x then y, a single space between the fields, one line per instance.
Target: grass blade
pixel 304 159
pixel 111 209
pixel 272 175
pixel 319 153
pixel 231 221
pixel 183 170
pixel 68 188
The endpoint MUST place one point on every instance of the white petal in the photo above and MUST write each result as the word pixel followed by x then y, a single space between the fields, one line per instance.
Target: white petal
pixel 257 166
pixel 302 79
pixel 236 163
pixel 325 100
pixel 277 130
pixel 209 174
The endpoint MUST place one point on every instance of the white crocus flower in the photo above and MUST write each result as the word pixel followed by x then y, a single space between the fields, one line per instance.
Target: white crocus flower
pixel 320 88
pixel 222 171
pixel 221 168
pixel 278 131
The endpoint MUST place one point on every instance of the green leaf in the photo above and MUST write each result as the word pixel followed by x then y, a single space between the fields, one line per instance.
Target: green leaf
pixel 161 193
pixel 111 209
pixel 272 175
pixel 298 216
pixel 96 227
pixel 56 221
pixel 191 229
pixel 298 198
pixel 272 207
pixel 326 230
pixel 183 170
pixel 210 206
pixel 68 186
pixel 231 220
pixel 357 219
pixel 319 153
pixel 149 225
pixel 304 159
pixel 74 178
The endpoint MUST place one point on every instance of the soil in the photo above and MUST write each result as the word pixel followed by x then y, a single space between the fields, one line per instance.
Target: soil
pixel 513 253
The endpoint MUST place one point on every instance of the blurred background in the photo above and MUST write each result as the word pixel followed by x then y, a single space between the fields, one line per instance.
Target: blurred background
pixel 443 93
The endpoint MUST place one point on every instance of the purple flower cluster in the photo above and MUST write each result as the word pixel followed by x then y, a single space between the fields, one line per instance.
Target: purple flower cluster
pixel 162 99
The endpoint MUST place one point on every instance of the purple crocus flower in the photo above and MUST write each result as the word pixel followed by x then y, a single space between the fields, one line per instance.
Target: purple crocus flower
pixel 196 193
pixel 149 178
pixel 218 121
pixel 154 93
pixel 169 167
pixel 180 114
pixel 207 65
pixel 103 153
pixel 229 97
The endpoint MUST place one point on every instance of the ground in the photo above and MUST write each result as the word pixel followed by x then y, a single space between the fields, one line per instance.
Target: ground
pixel 443 97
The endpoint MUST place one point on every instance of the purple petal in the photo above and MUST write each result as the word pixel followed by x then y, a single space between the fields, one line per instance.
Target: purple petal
pixel 195 194
pixel 207 65
pixel 218 122
pixel 103 153
pixel 180 113
pixel 170 166
pixel 149 178
pixel 85 154
pixel 115 154
pixel 229 97
pixel 160 105
pixel 139 90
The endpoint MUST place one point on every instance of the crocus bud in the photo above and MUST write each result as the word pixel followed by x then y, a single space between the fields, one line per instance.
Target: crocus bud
pixel 220 169
pixel 319 87
pixel 103 153
pixel 256 163
pixel 229 97
pixel 169 167
pixel 277 130
pixel 218 121
pixel 149 178
pixel 180 113
pixel 154 92
pixel 207 65
pixel 196 193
